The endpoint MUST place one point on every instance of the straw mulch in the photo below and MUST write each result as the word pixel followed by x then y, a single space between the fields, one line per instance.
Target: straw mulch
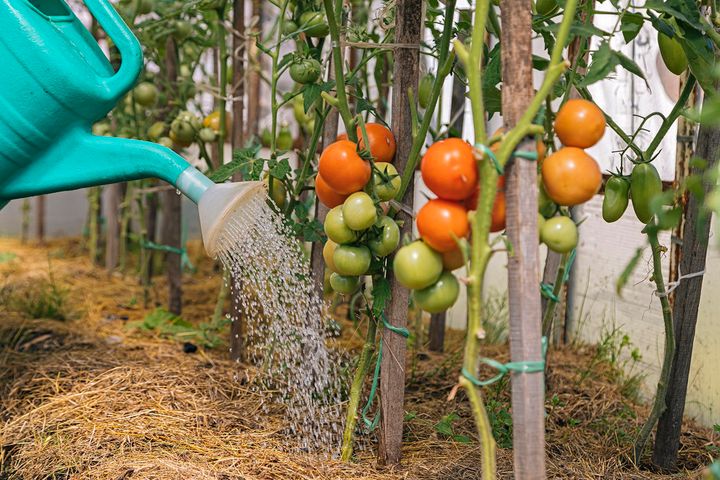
pixel 86 398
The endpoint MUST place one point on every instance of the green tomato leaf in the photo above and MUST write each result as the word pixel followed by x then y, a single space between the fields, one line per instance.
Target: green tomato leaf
pixel 281 169
pixel 627 272
pixel 243 161
pixel 603 64
pixel 629 64
pixel 684 10
pixel 630 25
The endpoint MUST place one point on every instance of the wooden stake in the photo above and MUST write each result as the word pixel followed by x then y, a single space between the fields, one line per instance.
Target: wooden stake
pixel 692 253
pixel 112 233
pixel 523 273
pixel 40 218
pixel 255 64
pixel 237 328
pixel 406 69
pixel 172 212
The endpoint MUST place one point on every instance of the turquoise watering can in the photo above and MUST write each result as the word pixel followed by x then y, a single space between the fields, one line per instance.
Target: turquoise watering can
pixel 56 83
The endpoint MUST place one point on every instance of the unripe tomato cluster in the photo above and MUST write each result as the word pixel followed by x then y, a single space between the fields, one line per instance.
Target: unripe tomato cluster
pixel 353 188
pixel 643 185
pixel 570 176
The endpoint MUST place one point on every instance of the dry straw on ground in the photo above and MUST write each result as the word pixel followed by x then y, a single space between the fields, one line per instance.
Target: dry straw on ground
pixel 88 399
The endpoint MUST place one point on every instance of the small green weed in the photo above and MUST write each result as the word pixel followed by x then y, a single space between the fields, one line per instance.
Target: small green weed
pixel 170 325
pixel 445 427
pixel 501 422
pixel 43 298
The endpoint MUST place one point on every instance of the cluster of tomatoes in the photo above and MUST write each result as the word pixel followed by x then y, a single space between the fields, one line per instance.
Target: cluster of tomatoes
pixel 570 176
pixel 359 232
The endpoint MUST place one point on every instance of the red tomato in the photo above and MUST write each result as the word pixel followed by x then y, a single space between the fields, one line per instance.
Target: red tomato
pixel 449 169
pixel 441 223
pixel 382 141
pixel 342 168
pixel 329 197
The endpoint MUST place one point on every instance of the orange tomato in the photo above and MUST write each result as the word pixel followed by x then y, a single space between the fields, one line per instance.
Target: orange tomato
pixel 579 123
pixel 329 197
pixel 571 176
pixel 342 168
pixel 441 223
pixel 449 169
pixel 498 213
pixel 213 121
pixel 453 259
pixel 382 141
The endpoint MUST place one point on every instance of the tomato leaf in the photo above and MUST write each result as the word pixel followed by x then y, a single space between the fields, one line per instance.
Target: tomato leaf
pixel 629 268
pixel 629 64
pixel 701 58
pixel 380 294
pixel 603 64
pixel 243 161
pixel 630 25
pixel 685 10
pixel 280 169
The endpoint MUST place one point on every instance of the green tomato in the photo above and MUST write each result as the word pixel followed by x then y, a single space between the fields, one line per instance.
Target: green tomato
pixel 615 202
pixel 165 142
pixel 546 7
pixel 279 191
pixel 546 206
pixel 284 139
pixel 207 135
pixel 425 90
pixel 314 24
pixel 344 283
pixel 541 224
pixel 417 265
pixel 645 184
pixel 145 94
pixel 328 252
pixel 439 296
pixel 387 182
pixel 336 229
pixel 182 131
pixel 359 211
pixel 352 259
pixel 305 71
pixel 387 238
pixel 289 27
pixel 265 137
pixel 672 53
pixel 560 234
pixel 156 130
pixel 182 30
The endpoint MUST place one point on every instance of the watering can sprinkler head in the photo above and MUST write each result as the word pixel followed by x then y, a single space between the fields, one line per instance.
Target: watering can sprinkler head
pixel 217 203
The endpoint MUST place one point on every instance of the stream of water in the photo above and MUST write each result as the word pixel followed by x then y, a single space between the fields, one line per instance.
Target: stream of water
pixel 285 324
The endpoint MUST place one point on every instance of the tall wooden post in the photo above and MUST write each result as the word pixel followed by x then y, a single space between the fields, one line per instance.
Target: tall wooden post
pixel 40 218
pixel 112 232
pixel 254 65
pixel 237 328
pixel 406 69
pixel 523 272
pixel 692 255
pixel 172 212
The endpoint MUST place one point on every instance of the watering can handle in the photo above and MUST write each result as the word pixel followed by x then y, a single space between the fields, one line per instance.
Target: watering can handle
pixel 129 47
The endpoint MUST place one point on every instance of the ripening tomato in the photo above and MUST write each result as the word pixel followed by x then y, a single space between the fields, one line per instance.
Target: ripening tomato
pixel 342 168
pixel 560 234
pixel 439 296
pixel 213 121
pixel 352 259
pixel 344 283
pixel 571 176
pixel 453 259
pixel 449 169
pixel 335 227
pixel 328 252
pixel 382 141
pixel 441 223
pixel 329 197
pixel 417 265
pixel 387 181
pixel 359 211
pixel 579 123
pixel 386 237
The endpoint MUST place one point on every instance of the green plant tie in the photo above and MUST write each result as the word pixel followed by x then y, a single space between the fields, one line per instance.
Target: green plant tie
pixel 505 368
pixel 491 155
pixel 526 155
pixel 547 290
pixel 182 251
pixel 403 332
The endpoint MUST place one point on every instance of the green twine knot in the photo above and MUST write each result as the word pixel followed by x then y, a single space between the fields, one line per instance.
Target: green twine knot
pixel 403 332
pixel 505 368
pixel 547 291
pixel 498 168
pixel 184 258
